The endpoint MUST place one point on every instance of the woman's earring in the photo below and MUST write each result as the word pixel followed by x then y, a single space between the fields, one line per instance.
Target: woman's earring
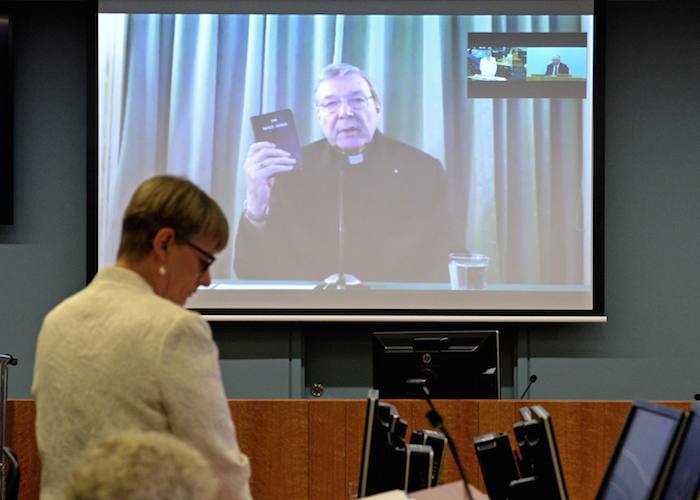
pixel 161 270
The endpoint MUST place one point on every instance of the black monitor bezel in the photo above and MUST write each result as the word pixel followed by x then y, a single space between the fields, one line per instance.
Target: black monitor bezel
pixel 386 355
pixel 370 414
pixel 545 422
pixel 540 465
pixel 692 419
pixel 637 406
pixel 383 457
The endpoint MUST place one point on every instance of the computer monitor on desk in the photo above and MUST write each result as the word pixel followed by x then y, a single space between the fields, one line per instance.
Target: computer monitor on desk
pixel 684 476
pixel 538 473
pixel 454 364
pixel 383 459
pixel 388 462
pixel 540 467
pixel 643 450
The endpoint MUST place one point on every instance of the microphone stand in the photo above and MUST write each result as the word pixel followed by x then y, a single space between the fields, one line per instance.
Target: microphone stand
pixel 340 284
pixel 436 421
pixel 340 280
pixel 531 380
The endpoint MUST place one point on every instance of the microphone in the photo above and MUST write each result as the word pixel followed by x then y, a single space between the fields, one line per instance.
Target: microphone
pixel 341 280
pixel 338 280
pixel 9 359
pixel 437 422
pixel 697 397
pixel 531 380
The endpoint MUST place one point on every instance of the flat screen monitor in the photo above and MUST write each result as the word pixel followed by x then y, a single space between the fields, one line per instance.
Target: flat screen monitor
pixel 540 468
pixel 497 463
pixel 372 401
pixel 548 468
pixel 684 478
pixel 383 461
pixel 454 364
pixel 376 160
pixel 643 448
pixel 6 84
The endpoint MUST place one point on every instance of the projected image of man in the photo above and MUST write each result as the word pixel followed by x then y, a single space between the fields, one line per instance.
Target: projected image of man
pixel 362 204
pixel 556 67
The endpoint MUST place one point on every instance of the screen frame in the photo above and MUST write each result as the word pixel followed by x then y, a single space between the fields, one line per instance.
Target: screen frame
pixel 7 118
pixel 597 312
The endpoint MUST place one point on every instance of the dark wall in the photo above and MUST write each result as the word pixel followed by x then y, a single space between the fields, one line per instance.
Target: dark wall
pixel 42 256
pixel 650 346
pixel 648 349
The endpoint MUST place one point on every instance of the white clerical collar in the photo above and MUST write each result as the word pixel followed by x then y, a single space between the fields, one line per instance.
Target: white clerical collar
pixel 355 159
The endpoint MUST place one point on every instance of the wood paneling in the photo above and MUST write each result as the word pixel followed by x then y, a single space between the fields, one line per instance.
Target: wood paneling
pixel 311 448
pixel 328 473
pixel 19 435
pixel 278 432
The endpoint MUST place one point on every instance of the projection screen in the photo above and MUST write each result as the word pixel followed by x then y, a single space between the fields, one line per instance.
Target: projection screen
pixel 383 160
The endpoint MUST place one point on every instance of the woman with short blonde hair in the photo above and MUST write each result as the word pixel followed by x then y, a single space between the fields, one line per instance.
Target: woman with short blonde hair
pixel 124 354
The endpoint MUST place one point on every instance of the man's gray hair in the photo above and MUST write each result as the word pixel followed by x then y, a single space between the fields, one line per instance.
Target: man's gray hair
pixel 339 70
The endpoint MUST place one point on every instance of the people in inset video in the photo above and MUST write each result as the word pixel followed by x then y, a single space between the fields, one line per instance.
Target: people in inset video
pixel 488 65
pixel 557 68
pixel 363 205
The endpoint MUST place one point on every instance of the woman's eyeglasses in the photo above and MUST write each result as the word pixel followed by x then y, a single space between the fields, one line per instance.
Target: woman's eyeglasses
pixel 203 264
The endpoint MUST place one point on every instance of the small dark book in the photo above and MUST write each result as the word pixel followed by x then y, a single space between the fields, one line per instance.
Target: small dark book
pixel 278 128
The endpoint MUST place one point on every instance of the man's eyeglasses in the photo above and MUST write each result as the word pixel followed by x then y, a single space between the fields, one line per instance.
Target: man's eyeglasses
pixel 356 103
pixel 203 264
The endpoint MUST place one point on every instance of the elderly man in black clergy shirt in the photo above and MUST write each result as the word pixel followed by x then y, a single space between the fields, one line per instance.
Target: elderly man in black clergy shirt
pixel 389 197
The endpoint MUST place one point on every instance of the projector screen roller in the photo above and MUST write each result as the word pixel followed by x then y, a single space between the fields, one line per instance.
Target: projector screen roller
pixel 411 158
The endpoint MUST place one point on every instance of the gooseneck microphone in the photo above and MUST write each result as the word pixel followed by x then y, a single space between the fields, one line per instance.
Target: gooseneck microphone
pixel 340 285
pixel 436 421
pixel 531 380
pixel 11 360
pixel 342 280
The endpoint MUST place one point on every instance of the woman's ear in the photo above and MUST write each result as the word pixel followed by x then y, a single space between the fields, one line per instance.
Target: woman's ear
pixel 161 241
